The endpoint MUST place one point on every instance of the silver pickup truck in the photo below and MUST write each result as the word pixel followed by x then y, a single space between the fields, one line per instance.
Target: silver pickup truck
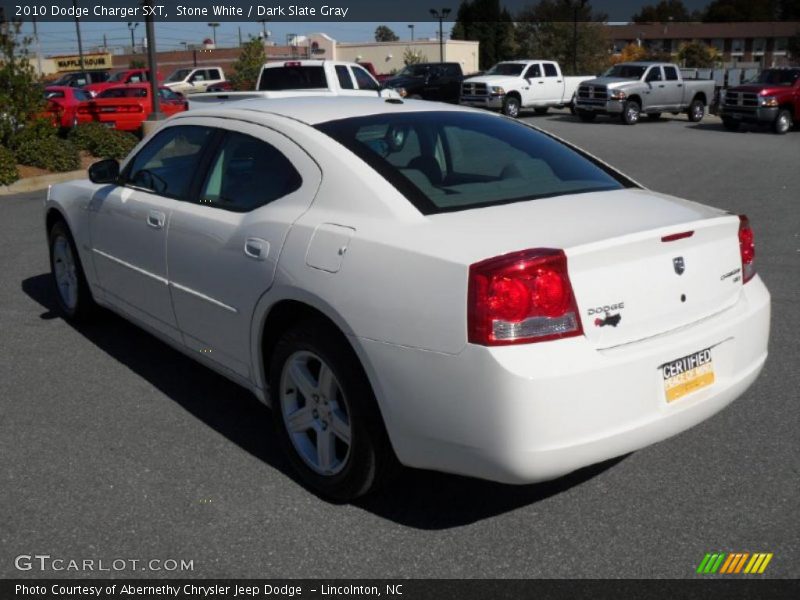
pixel 630 89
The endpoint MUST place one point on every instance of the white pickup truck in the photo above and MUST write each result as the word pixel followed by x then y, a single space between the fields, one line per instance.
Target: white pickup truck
pixel 303 78
pixel 513 85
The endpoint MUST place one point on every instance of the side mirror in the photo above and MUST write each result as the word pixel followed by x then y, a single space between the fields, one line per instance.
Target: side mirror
pixel 104 171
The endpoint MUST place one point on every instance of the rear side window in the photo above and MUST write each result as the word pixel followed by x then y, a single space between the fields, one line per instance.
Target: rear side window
pixel 550 70
pixel 364 79
pixel 293 78
pixel 671 73
pixel 448 161
pixel 343 75
pixel 452 71
pixel 247 173
pixel 165 166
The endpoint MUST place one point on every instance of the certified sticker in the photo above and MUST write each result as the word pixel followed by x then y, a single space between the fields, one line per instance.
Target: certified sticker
pixel 688 374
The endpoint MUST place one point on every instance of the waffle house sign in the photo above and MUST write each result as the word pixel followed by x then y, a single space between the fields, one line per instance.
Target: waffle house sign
pixel 100 60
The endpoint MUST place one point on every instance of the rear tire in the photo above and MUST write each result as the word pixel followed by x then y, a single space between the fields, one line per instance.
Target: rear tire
pixel 325 414
pixel 630 112
pixel 696 112
pixel 783 122
pixel 73 297
pixel 586 116
pixel 730 124
pixel 511 107
pixel 542 110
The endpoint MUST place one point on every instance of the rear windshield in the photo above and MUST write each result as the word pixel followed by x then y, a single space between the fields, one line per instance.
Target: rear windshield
pixel 292 78
pixel 448 161
pixel 626 71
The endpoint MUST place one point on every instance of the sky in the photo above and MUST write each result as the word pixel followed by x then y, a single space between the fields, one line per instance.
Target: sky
pixel 60 38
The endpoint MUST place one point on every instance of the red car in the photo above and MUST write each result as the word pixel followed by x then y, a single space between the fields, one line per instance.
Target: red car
pixel 772 98
pixel 129 76
pixel 63 105
pixel 126 107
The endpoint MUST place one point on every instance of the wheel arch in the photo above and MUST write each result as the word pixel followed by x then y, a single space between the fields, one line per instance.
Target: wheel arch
pixel 636 98
pixel 700 96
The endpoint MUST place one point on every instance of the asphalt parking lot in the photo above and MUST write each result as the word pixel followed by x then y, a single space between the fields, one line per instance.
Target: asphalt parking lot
pixel 113 446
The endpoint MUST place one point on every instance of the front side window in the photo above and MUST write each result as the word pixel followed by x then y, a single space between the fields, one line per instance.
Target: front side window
pixel 248 173
pixel 179 75
pixel 654 74
pixel 343 75
pixel 365 80
pixel 166 164
pixel 447 161
pixel 533 72
pixel 214 74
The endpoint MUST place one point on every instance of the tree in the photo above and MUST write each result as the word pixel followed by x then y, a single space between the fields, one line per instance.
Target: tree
pixel 248 66
pixel 630 53
pixel 698 55
pixel 721 11
pixel 666 10
pixel 21 96
pixel 413 57
pixel 568 31
pixel 384 34
pixel 790 10
pixel 484 21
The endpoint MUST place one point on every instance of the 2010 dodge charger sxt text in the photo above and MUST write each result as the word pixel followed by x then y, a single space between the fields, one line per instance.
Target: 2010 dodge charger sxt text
pixel 418 282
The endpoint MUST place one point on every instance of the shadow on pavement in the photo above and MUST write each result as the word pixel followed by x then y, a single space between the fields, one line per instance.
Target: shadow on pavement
pixel 419 499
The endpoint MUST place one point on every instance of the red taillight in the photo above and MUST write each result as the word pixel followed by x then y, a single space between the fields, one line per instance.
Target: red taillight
pixel 520 298
pixel 747 249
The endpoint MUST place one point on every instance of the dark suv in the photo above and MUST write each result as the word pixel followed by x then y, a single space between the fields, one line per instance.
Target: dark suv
pixel 429 81
pixel 773 97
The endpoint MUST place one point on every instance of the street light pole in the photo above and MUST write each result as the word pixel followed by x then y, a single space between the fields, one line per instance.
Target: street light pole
pixel 132 27
pixel 440 16
pixel 78 30
pixel 155 115
pixel 214 30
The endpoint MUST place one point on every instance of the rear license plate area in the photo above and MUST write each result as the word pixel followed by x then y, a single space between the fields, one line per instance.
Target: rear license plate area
pixel 688 374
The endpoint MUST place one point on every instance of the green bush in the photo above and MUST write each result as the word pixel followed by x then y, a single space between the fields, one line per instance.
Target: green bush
pixel 8 167
pixel 53 154
pixel 38 129
pixel 102 142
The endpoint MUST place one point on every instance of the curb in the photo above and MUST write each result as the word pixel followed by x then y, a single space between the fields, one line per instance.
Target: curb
pixel 40 182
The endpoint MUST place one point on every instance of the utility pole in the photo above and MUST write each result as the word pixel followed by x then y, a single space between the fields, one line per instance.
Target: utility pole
pixel 78 30
pixel 155 115
pixel 441 16
pixel 411 27
pixel 132 27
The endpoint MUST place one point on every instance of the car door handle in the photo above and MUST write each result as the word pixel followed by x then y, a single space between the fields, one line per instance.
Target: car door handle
pixel 661 85
pixel 256 248
pixel 680 85
pixel 540 82
pixel 155 219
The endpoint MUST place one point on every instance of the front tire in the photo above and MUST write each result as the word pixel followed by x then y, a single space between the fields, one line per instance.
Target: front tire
pixel 696 112
pixel 325 413
pixel 630 112
pixel 783 122
pixel 511 107
pixel 73 297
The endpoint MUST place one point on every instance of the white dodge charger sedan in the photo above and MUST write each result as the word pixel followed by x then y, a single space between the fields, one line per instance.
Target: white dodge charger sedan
pixel 418 283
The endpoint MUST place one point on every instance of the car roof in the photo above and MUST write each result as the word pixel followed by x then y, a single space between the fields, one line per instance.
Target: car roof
pixel 315 110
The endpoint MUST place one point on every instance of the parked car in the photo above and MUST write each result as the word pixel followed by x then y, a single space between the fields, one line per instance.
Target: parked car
pixel 429 81
pixel 291 79
pixel 121 78
pixel 513 85
pixel 63 103
pixel 81 79
pixel 629 89
pixel 194 80
pixel 772 98
pixel 126 107
pixel 409 281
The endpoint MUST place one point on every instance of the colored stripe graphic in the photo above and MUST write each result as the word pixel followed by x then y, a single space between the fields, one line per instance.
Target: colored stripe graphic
pixel 723 563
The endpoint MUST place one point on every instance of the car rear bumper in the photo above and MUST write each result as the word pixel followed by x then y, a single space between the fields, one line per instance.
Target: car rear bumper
pixel 750 115
pixel 528 413
pixel 493 102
